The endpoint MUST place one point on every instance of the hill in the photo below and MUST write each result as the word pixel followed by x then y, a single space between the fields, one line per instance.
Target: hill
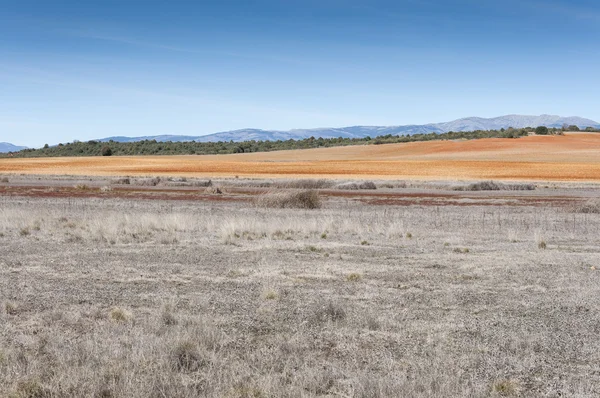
pixel 8 147
pixel 460 125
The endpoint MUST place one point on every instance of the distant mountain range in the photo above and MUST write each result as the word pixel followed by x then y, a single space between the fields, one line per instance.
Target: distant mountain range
pixel 466 124
pixel 7 147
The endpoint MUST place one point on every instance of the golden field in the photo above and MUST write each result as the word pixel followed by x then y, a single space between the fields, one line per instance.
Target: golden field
pixel 572 157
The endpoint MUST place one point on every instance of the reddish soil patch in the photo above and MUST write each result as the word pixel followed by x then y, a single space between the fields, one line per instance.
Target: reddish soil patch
pixel 379 198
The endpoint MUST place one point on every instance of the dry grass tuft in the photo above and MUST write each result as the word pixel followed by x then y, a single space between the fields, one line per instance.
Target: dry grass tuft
pixel 505 388
pixel 11 308
pixel 106 188
pixel 304 199
pixel 353 277
pixel 30 388
pixel 270 294
pixel 167 316
pixel 186 357
pixel 119 315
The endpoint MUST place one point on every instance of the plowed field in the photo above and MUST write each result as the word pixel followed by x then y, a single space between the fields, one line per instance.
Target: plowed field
pixel 573 157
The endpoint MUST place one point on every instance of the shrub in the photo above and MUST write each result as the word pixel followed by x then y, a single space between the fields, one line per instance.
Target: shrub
pixel 202 183
pixel 4 180
pixel 214 190
pixel 367 185
pixel 152 182
pixel 304 184
pixel 121 181
pixel 495 186
pixel 354 186
pixel 304 199
pixel 106 151
pixel 541 130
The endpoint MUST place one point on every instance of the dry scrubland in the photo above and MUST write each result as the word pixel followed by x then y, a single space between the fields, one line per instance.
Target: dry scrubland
pixel 573 157
pixel 118 298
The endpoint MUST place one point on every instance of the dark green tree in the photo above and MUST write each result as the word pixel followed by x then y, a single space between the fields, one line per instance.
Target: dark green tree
pixel 106 151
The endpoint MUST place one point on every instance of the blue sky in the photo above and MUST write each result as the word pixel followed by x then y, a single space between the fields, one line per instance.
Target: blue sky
pixel 90 69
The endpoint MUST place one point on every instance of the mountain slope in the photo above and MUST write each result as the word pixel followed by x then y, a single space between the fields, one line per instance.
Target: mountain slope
pixel 465 124
pixel 8 147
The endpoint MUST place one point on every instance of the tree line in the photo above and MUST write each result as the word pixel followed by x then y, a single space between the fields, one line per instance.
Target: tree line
pixel 153 147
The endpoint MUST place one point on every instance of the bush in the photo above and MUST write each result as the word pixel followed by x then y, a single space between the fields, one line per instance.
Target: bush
pixel 541 130
pixel 354 186
pixel 106 151
pixel 304 199
pixel 495 186
pixel 213 190
pixel 304 184
pixel 121 181
pixel 152 182
pixel 367 185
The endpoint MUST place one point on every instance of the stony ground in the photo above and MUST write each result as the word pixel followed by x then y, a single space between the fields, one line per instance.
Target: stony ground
pixel 123 298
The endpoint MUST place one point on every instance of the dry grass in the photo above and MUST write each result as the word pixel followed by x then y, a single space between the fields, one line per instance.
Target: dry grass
pixel 118 314
pixel 296 199
pixel 591 206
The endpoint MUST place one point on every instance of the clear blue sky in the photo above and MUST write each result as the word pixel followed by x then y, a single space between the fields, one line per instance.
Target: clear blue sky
pixel 89 69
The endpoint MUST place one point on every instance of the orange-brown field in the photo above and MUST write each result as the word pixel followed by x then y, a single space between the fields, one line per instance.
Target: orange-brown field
pixel 573 157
